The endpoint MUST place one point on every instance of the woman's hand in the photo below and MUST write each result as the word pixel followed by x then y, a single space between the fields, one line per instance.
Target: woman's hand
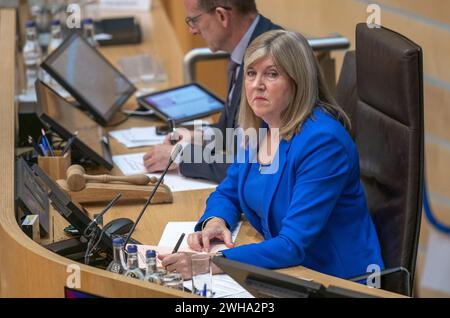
pixel 214 229
pixel 181 263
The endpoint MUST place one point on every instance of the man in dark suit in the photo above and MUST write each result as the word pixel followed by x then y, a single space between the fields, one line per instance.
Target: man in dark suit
pixel 230 26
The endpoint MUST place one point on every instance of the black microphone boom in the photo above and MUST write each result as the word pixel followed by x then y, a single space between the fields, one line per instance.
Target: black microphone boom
pixel 178 148
pixel 106 209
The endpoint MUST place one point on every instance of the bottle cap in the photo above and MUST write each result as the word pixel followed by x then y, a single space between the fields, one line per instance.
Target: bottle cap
pixel 150 254
pixel 132 249
pixel 118 241
pixel 88 21
pixel 30 24
pixel 56 22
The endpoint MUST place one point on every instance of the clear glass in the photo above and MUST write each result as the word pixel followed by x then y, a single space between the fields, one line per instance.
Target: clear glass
pixel 156 277
pixel 173 280
pixel 201 275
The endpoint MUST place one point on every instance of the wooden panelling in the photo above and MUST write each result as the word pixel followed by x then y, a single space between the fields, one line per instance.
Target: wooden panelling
pixel 437 10
pixel 437 112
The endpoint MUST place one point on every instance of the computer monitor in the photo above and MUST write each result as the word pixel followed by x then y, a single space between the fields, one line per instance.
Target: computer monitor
pixel 65 119
pixel 264 283
pixel 31 196
pixel 94 82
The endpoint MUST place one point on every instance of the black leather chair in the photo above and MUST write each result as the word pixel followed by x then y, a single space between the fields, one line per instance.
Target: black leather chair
pixel 384 99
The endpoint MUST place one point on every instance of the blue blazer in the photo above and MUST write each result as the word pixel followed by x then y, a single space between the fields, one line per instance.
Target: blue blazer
pixel 315 213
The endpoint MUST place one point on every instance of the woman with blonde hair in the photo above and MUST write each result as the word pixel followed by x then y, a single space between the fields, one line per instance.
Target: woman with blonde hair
pixel 312 209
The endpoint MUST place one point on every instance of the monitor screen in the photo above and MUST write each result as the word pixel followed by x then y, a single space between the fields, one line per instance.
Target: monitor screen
pixel 31 196
pixel 264 283
pixel 65 119
pixel 183 103
pixel 97 85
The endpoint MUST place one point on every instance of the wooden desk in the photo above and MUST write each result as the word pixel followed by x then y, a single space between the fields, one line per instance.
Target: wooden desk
pixel 28 269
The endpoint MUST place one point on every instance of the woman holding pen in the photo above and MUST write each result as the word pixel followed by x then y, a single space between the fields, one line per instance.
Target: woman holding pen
pixel 311 210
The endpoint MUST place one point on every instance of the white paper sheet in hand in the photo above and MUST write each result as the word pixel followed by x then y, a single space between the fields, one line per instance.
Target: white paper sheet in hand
pixel 134 164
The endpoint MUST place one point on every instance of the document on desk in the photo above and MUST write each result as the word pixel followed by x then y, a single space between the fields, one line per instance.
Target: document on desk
pixel 134 164
pixel 137 137
pixel 170 236
pixel 173 231
pixel 223 285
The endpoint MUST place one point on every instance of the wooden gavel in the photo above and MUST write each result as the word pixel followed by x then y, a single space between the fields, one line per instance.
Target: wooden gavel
pixel 77 178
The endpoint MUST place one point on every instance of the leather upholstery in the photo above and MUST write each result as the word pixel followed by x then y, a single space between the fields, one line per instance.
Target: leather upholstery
pixel 387 116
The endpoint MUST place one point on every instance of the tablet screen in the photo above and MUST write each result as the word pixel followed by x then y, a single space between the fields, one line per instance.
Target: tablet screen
pixel 184 103
pixel 89 77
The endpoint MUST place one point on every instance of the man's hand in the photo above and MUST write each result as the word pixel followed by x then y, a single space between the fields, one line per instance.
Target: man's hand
pixel 158 157
pixel 214 229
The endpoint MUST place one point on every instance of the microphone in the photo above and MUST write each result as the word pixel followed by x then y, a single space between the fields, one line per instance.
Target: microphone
pixel 176 151
pixel 106 209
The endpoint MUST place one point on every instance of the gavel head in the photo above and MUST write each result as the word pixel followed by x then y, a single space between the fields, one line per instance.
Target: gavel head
pixel 75 178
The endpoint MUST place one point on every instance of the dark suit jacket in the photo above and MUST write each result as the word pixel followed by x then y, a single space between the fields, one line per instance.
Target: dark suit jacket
pixel 218 171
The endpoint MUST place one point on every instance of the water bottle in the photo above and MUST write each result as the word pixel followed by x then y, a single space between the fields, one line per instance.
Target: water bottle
pixel 150 256
pixel 32 55
pixel 152 274
pixel 89 33
pixel 55 36
pixel 116 266
pixel 133 270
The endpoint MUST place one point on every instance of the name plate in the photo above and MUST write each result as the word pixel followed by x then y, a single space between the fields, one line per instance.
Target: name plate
pixel 131 5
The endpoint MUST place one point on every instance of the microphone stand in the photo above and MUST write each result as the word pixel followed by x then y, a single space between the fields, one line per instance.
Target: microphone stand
pixel 178 148
pixel 92 234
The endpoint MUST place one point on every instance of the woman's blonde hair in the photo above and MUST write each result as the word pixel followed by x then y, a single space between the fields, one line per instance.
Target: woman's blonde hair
pixel 291 53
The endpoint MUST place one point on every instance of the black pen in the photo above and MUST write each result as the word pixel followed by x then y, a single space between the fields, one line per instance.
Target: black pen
pixel 35 145
pixel 175 249
pixel 67 146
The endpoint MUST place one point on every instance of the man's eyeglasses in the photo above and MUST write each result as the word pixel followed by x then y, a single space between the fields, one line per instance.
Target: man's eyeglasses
pixel 191 21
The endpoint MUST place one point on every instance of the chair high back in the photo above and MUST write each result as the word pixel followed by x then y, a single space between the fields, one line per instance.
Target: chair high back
pixel 387 118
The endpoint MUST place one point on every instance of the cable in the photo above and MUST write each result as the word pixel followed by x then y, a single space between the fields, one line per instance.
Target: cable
pixel 429 213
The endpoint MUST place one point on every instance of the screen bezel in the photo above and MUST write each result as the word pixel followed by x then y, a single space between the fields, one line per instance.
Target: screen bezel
pixel 52 124
pixel 243 274
pixel 102 119
pixel 161 114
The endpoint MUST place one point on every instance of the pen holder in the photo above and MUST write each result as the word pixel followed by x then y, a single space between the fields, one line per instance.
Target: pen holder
pixel 56 166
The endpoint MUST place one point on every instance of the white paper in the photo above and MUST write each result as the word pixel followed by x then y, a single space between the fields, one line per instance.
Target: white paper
pixel 137 137
pixel 173 231
pixel 134 164
pixel 127 5
pixel 436 275
pixel 224 286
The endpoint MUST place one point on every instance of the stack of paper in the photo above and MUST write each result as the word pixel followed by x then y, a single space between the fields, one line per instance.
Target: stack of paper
pixel 134 164
pixel 138 137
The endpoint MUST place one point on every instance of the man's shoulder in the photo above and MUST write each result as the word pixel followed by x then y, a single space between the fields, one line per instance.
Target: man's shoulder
pixel 265 25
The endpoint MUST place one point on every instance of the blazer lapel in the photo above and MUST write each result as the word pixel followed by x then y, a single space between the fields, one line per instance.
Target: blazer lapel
pixel 272 185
